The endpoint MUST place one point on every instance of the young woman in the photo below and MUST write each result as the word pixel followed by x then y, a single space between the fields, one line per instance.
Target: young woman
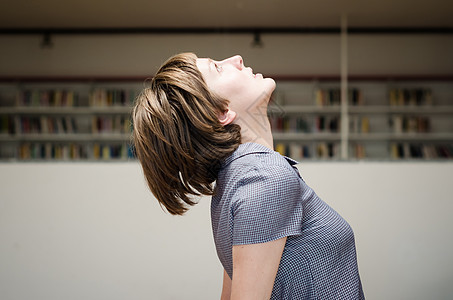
pixel 202 121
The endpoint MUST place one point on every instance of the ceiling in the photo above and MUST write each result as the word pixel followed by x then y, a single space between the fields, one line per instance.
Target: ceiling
pixel 221 13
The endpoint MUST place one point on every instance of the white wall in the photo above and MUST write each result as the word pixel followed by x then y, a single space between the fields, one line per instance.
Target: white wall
pixel 93 231
pixel 402 216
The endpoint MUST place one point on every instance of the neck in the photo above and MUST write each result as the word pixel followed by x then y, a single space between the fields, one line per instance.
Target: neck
pixel 256 128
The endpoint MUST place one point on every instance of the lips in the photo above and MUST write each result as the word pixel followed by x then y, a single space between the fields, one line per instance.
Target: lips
pixel 254 75
pixel 251 71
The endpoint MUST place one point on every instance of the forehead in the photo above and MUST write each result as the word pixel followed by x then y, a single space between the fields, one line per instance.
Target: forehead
pixel 203 64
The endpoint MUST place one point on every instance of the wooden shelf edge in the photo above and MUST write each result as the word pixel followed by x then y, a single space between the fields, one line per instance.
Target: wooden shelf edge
pixel 70 110
pixel 67 137
pixel 280 77
pixel 75 79
pixel 300 136
pixel 402 137
pixel 382 109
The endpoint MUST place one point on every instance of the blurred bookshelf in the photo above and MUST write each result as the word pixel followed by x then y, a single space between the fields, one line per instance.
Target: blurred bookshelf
pixel 57 119
pixel 388 119
pixel 88 119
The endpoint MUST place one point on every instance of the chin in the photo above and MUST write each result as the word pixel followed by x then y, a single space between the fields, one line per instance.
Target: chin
pixel 270 85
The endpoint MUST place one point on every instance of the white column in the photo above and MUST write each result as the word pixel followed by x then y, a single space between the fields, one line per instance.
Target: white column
pixel 344 88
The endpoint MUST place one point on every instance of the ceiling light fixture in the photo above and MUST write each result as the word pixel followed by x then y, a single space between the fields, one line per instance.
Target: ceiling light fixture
pixel 257 42
pixel 46 41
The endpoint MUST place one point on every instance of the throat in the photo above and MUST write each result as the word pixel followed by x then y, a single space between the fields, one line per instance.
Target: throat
pixel 256 129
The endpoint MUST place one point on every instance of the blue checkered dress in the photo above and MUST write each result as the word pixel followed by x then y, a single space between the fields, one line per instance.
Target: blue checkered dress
pixel 261 197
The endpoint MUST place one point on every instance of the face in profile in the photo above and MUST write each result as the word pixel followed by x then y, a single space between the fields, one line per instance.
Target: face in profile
pixel 231 80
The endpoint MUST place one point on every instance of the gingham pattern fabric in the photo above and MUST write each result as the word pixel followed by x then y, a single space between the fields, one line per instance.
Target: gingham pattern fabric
pixel 260 197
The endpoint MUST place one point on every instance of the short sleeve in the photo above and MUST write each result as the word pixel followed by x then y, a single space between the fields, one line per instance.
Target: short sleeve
pixel 267 205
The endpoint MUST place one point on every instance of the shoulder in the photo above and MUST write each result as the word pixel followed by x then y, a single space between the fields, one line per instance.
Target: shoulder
pixel 255 169
pixel 265 165
pixel 265 199
pixel 263 177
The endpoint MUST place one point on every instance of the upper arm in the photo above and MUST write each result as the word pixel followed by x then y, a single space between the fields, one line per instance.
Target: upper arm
pixel 254 269
pixel 267 209
pixel 267 205
pixel 226 288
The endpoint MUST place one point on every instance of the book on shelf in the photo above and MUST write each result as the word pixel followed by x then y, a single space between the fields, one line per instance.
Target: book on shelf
pixel 328 97
pixel 50 151
pixel 112 151
pixel 327 124
pixel 112 97
pixel 44 125
pixel 410 97
pixel 326 150
pixel 111 124
pixel 281 148
pixel 421 151
pixel 358 124
pixel 73 151
pixel 70 125
pixel 409 124
pixel 106 152
pixel 289 124
pixel 359 151
pixel 6 125
pixel 355 97
pixel 295 150
pixel 298 151
pixel 47 98
pixel 332 97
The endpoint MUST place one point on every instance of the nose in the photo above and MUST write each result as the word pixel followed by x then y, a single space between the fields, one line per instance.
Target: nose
pixel 235 61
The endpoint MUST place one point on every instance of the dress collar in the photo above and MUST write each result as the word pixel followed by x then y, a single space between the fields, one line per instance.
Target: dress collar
pixel 249 148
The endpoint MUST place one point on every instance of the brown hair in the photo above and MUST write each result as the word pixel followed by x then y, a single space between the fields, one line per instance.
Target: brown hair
pixel 178 138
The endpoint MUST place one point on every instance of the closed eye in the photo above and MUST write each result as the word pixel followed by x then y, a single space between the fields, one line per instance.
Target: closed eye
pixel 217 67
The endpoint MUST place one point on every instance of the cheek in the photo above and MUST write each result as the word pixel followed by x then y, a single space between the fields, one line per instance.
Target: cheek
pixel 242 93
pixel 232 89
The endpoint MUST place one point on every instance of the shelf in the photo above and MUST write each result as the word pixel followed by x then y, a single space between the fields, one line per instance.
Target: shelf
pixel 5 137
pixel 66 137
pixel 432 137
pixel 297 136
pixel 298 109
pixel 420 110
pixel 86 110
pixel 309 109
pixel 300 123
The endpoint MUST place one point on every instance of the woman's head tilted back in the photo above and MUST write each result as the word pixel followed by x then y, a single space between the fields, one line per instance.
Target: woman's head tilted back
pixel 178 137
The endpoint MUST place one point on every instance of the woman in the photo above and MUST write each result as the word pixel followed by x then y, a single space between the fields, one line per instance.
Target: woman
pixel 202 121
